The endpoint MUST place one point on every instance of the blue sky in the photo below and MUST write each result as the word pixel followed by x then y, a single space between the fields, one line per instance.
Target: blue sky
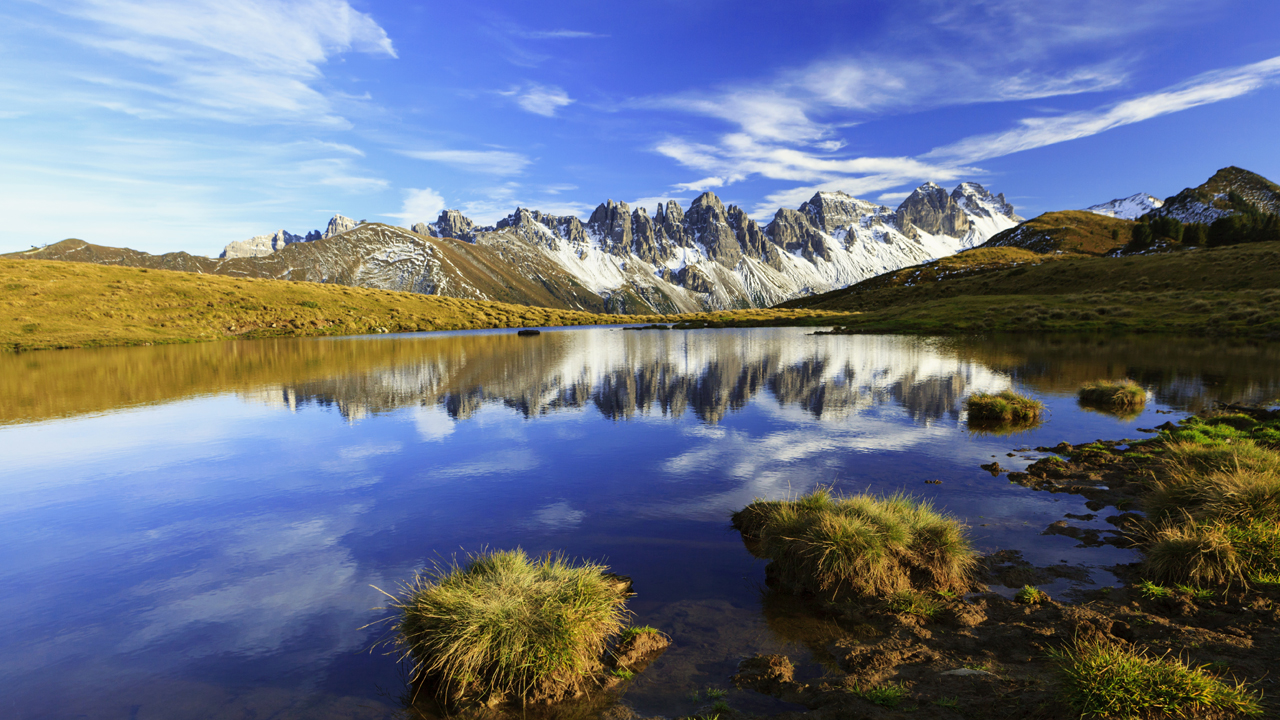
pixel 185 124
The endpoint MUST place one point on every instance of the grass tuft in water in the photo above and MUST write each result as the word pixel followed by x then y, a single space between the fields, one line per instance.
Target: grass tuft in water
pixel 1118 394
pixel 507 627
pixel 1006 407
pixel 859 544
pixel 1113 681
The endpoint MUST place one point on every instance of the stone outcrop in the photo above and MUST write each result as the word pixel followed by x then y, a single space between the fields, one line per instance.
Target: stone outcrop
pixel 339 224
pixel 261 245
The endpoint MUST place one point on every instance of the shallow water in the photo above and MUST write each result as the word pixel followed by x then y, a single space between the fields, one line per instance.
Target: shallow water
pixel 198 531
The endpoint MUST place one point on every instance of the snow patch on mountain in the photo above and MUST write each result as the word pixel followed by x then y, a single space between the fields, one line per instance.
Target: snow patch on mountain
pixel 708 257
pixel 1130 208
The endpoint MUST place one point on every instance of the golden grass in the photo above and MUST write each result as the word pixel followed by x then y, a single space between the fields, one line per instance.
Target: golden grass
pixel 859 544
pixel 1213 505
pixel 52 304
pixel 1005 407
pixel 507 627
pixel 1111 680
pixel 1121 394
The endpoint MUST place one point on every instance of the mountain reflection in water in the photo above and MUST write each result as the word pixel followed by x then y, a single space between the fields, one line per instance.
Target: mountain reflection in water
pixel 193 531
pixel 624 374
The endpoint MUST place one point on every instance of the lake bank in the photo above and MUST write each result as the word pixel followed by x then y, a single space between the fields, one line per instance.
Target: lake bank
pixel 995 656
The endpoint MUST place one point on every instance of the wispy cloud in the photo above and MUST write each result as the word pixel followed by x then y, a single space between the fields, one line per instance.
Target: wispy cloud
pixel 543 100
pixel 234 60
pixel 794 125
pixel 499 201
pixel 1037 132
pixel 491 162
pixel 557 34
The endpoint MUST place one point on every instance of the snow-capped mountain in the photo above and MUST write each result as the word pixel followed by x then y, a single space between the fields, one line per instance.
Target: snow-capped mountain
pixel 1130 208
pixel 1227 192
pixel 705 257
pixel 711 256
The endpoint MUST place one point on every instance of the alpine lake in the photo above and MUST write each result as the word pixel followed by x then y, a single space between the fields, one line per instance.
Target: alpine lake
pixel 206 531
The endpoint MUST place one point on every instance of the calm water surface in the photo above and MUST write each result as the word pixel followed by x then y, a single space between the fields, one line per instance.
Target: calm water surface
pixel 198 531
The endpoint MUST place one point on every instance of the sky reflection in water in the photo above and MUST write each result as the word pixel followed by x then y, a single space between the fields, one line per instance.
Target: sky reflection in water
pixel 198 531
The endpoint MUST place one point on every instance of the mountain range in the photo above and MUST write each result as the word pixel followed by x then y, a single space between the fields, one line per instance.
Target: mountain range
pixel 707 256
pixel 619 260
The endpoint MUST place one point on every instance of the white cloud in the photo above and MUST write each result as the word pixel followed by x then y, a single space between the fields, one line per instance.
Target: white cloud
pixel 491 162
pixel 422 205
pixel 892 198
pixel 499 201
pixel 1037 132
pixel 338 172
pixel 231 60
pixel 702 185
pixel 558 34
pixel 543 100
pixel 792 126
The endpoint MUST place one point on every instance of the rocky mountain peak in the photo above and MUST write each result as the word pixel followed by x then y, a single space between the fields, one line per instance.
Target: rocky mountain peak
pixel 450 224
pixel 339 224
pixel 611 224
pixel 263 245
pixel 830 211
pixel 1129 208
pixel 930 209
pixel 1228 191
pixel 707 223
pixel 978 201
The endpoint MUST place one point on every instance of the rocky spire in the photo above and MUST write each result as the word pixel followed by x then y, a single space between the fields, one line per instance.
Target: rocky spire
pixel 792 230
pixel 707 223
pixel 932 210
pixel 611 222
pixel 451 224
pixel 338 225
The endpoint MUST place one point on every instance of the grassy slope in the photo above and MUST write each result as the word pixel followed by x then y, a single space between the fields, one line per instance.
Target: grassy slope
pixel 486 271
pixel 1069 231
pixel 1230 291
pixel 49 304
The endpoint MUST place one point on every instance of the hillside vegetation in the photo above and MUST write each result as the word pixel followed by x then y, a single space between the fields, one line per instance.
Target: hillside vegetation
pixel 1069 231
pixel 1230 291
pixel 50 304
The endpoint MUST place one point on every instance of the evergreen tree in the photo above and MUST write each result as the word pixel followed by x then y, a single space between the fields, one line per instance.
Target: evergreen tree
pixel 1195 234
pixel 1139 237
pixel 1167 227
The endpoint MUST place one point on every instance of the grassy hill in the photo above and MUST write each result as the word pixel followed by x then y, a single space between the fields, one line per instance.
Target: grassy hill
pixel 1069 231
pixel 1230 291
pixel 372 255
pixel 53 304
